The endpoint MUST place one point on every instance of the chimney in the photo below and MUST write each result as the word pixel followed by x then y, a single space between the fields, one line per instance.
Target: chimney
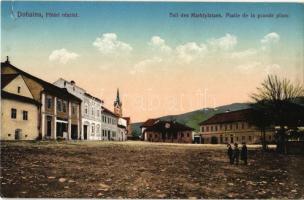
pixel 7 60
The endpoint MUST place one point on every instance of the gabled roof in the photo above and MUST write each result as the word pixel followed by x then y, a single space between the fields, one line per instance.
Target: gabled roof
pixel 91 96
pixel 48 87
pixel 107 111
pixel 149 122
pixel 7 95
pixel 227 117
pixel 168 126
pixel 6 79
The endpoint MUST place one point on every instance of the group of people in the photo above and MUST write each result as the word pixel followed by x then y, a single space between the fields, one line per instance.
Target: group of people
pixel 234 154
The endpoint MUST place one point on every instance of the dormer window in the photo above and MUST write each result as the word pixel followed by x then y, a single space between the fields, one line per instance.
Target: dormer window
pixel 19 89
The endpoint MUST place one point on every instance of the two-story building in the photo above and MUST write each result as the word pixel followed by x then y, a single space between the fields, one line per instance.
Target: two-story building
pixel 91 108
pixel 59 115
pixel 109 124
pixel 19 113
pixel 232 127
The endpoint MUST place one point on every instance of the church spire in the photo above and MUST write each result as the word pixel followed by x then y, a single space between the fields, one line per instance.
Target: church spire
pixel 118 104
pixel 117 96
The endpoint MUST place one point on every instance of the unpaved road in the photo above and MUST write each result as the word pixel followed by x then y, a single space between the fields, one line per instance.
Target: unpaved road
pixel 144 170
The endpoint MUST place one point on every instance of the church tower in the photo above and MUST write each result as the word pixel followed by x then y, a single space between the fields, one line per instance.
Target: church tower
pixel 118 105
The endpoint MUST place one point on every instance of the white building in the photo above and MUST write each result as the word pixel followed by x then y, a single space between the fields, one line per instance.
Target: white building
pixel 122 129
pixel 109 124
pixel 90 110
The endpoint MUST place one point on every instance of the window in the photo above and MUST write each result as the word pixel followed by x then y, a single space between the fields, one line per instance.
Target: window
pixel 237 138
pixel 98 113
pixel 98 128
pixel 86 109
pixel 226 139
pixel 243 125
pixel 188 134
pixel 49 102
pixel 237 126
pixel 13 113
pixel 211 128
pixel 64 106
pixel 182 135
pixel 215 128
pixel 243 138
pixel 19 89
pixel 92 111
pixel 225 127
pixel 59 105
pixel 74 109
pixel 25 115
pixel 202 129
pixel 249 137
pixel 93 128
pixel 207 128
pixel 230 127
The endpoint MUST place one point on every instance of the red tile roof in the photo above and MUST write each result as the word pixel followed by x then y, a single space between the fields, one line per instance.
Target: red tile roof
pixel 227 117
pixel 149 123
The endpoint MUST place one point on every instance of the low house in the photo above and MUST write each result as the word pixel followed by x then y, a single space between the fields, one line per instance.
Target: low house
pixel 145 125
pixel 168 131
pixel 59 114
pixel 19 113
pixel 232 127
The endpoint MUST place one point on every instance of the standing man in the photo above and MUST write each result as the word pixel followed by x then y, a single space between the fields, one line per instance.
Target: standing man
pixel 230 153
pixel 244 153
pixel 236 154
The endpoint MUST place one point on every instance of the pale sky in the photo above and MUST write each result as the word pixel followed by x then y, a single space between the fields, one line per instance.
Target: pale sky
pixel 162 65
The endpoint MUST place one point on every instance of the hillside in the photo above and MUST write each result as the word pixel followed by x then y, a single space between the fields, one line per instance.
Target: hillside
pixel 192 119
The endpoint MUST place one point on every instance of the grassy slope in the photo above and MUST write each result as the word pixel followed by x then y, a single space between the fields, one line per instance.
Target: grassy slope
pixel 192 119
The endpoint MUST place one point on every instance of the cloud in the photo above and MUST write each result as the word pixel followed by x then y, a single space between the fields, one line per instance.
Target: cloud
pixel 226 42
pixel 159 43
pixel 270 38
pixel 189 51
pixel 244 54
pixel 62 56
pixel 108 43
pixel 141 66
pixel 272 69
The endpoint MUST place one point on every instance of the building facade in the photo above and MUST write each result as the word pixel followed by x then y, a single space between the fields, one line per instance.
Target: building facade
pixel 168 131
pixel 91 108
pixel 59 115
pixel 19 113
pixel 109 124
pixel 232 127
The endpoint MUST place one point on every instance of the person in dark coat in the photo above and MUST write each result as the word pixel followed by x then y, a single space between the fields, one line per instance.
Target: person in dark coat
pixel 236 154
pixel 230 153
pixel 244 153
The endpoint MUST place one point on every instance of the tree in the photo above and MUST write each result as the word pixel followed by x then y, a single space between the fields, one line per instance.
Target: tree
pixel 274 104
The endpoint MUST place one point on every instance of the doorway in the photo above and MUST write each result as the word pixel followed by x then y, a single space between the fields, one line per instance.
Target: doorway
pixel 85 132
pixel 18 133
pixel 48 126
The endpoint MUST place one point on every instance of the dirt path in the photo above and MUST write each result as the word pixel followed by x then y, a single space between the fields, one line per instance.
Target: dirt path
pixel 144 170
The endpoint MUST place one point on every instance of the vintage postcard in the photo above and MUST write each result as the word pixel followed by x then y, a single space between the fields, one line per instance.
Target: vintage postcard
pixel 152 99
